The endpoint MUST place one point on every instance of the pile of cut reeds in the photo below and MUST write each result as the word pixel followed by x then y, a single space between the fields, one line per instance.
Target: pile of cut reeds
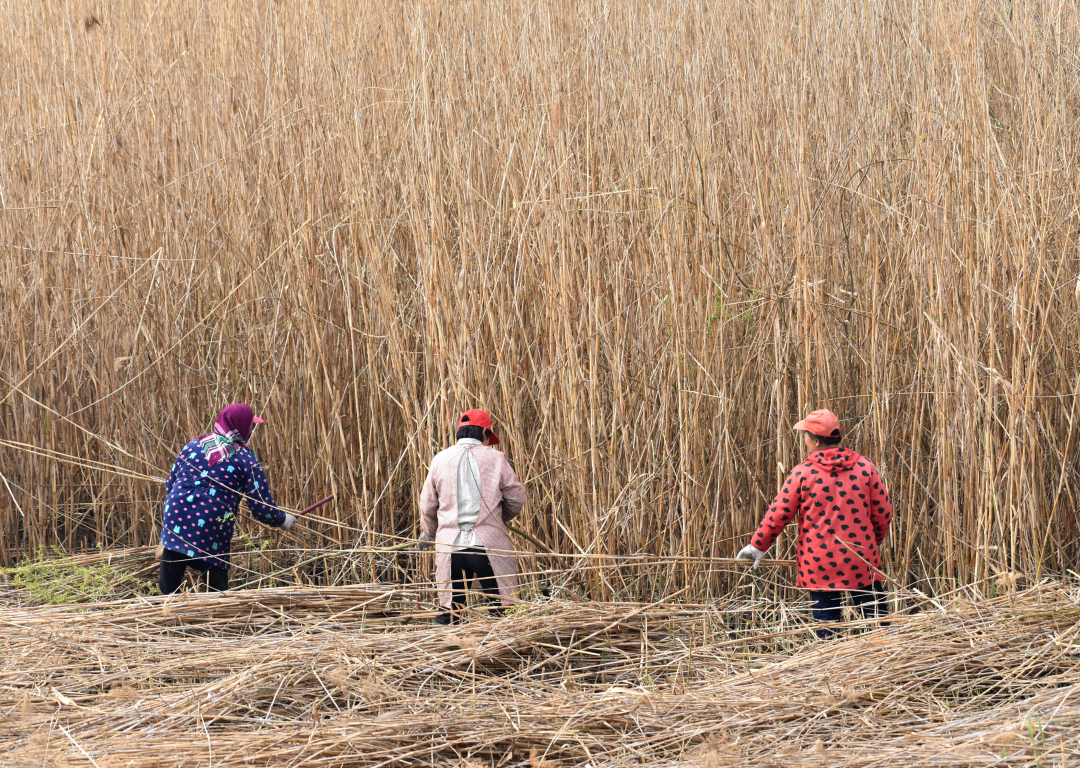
pixel 293 677
pixel 647 237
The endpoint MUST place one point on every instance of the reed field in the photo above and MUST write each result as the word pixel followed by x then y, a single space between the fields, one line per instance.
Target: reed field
pixel 646 236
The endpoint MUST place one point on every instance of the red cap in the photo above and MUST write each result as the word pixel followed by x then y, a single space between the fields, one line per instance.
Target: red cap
pixel 820 423
pixel 478 418
pixel 257 420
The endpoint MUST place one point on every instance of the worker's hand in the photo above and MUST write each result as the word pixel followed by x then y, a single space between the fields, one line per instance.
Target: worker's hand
pixel 425 541
pixel 289 521
pixel 750 552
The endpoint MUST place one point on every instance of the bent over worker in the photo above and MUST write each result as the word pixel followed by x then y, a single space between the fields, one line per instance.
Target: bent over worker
pixel 203 493
pixel 470 490
pixel 843 513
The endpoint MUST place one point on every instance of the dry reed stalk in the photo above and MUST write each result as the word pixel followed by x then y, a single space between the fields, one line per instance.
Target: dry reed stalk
pixel 645 238
pixel 981 682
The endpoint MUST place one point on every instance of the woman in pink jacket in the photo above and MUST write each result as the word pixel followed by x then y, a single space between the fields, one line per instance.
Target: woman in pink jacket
pixel 470 490
pixel 842 512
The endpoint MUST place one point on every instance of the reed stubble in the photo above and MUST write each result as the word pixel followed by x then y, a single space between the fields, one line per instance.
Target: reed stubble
pixel 645 237
pixel 300 677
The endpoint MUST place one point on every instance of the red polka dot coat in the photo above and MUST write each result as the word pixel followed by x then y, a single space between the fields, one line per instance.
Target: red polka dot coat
pixel 843 515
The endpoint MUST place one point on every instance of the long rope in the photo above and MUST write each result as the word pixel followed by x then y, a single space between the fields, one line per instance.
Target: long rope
pixel 404 541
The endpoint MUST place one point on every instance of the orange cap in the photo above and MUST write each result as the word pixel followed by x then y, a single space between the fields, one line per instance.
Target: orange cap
pixel 821 423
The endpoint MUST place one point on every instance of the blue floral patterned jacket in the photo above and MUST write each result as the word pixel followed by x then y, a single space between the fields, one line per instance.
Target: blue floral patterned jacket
pixel 201 503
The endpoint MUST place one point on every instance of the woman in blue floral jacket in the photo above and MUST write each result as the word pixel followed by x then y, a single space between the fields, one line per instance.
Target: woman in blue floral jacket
pixel 209 479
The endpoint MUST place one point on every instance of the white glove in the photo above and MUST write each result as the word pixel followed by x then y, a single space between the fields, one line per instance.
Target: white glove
pixel 750 552
pixel 289 521
pixel 425 541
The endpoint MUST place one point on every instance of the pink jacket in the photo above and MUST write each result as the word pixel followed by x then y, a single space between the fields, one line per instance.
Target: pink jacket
pixel 503 496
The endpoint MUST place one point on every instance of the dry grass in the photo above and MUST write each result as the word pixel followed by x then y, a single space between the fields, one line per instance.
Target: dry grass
pixel 645 236
pixel 286 677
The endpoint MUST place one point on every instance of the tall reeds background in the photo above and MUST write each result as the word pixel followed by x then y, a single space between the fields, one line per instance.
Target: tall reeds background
pixel 645 236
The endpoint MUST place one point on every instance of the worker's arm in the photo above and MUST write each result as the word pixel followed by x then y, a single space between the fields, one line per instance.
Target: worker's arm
pixel 429 506
pixel 784 508
pixel 259 499
pixel 513 492
pixel 881 510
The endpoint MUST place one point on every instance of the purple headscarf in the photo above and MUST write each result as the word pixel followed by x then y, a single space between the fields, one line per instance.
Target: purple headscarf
pixel 231 432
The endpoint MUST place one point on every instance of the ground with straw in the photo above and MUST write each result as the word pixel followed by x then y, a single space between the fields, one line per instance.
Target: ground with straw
pixel 355 675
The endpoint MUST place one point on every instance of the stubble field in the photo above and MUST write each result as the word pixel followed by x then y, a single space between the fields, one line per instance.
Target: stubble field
pixel 355 674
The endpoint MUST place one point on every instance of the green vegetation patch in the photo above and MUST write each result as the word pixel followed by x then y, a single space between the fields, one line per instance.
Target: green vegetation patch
pixel 57 582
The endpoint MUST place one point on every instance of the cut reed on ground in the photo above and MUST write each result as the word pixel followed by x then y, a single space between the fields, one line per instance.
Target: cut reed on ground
pixel 646 237
pixel 338 676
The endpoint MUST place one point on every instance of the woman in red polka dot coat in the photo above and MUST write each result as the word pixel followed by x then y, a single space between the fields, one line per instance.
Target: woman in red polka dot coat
pixel 842 511
pixel 211 476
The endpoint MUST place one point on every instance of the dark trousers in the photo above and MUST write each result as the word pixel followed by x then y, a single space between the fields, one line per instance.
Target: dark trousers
pixel 173 565
pixel 464 567
pixel 828 606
